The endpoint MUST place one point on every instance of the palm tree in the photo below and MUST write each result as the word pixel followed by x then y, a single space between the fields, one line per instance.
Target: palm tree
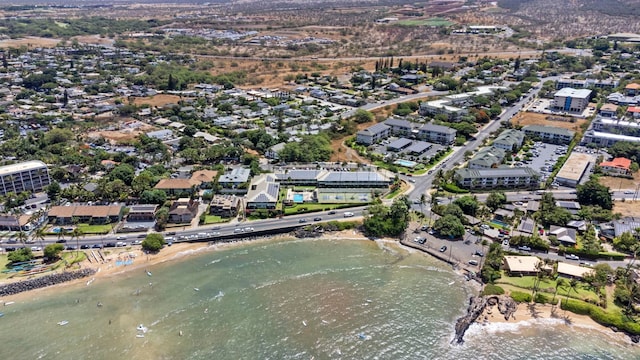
pixel 573 285
pixel 77 233
pixel 561 283
pixel 22 237
pixel 39 234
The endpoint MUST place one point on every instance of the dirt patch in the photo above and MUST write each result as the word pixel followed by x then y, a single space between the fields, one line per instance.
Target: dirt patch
pixel 564 122
pixel 157 100
pixel 627 208
pixel 617 183
pixel 29 42
pixel 124 133
pixel 94 39
pixel 343 153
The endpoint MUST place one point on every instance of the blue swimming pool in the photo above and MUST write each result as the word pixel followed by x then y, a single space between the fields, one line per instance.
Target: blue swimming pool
pixel 405 163
pixel 298 198
pixel 499 223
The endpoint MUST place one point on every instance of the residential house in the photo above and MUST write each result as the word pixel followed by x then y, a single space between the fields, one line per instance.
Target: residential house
pixel 142 213
pixel 226 206
pixel 235 178
pixel 86 214
pixel 11 222
pixel 617 167
pixel 183 211
pixel 487 158
pixel 608 110
pixel 509 140
pixel 632 89
pixel 522 265
pixel 522 177
pixel 204 178
pixel 572 206
pixel 549 134
pixel 567 237
pixel 176 186
pixel 572 271
pixel 273 152
pixel 263 193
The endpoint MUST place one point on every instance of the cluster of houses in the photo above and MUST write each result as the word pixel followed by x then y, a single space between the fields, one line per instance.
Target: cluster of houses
pixel 610 127
pixel 432 133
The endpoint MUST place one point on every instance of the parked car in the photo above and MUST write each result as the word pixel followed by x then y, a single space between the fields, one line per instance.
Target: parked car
pixel 571 257
pixel 317 218
pixel 348 214
pixel 524 248
pixel 303 220
pixel 84 246
pixel 443 248
pixel 479 253
pixel 473 262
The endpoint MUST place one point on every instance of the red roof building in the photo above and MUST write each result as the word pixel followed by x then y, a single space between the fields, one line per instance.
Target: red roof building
pixel 617 166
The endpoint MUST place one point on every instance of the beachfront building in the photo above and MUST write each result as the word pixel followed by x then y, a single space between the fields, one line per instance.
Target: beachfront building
pixel 142 213
pixel 573 271
pixel 85 214
pixel 487 158
pixel 226 206
pixel 31 176
pixel 176 186
pixel 183 211
pixel 571 100
pixel 573 169
pixel 521 265
pixel 549 134
pixel 373 134
pixel 508 178
pixel 263 193
pixel 617 167
pixel 509 140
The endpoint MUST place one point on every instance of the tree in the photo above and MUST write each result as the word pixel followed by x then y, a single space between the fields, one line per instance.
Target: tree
pixel 20 255
pixel 561 283
pixel 469 204
pixel 153 242
pixel 449 226
pixel 77 234
pixel 387 221
pixel 592 193
pixel 53 190
pixel 124 172
pixel 495 200
pixel 154 196
pixel 52 251
pixel 625 242
pixel 362 116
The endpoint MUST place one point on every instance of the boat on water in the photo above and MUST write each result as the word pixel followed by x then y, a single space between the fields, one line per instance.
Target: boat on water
pixel 1 314
pixel 90 281
pixel 451 283
pixel 9 303
pixel 196 289
pixel 149 273
pixel 304 323
pixel 63 322
pixel 142 328
pixel 139 335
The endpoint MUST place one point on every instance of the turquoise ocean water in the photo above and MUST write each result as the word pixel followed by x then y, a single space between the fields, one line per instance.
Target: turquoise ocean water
pixel 297 299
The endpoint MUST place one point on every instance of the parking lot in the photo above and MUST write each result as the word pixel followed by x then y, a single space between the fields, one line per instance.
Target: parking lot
pixel 544 156
pixel 423 157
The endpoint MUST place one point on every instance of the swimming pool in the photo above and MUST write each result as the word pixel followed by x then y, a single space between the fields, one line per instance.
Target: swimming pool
pixel 405 163
pixel 499 223
pixel 298 198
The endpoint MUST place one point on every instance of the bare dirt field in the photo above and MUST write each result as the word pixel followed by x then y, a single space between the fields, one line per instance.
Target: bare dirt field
pixel 617 183
pixel 94 39
pixel 529 118
pixel 29 42
pixel 627 208
pixel 124 133
pixel 157 100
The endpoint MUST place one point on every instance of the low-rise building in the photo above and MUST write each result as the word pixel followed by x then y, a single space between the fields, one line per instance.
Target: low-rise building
pixel 143 212
pixel 549 134
pixel 508 178
pixel 437 134
pixel 226 206
pixel 85 214
pixel 176 186
pixel 373 134
pixel 572 271
pixel 183 211
pixel 522 265
pixel 204 178
pixel 567 237
pixel 487 158
pixel 235 178
pixel 608 110
pixel 263 193
pixel 573 169
pixel 617 167
pixel 509 140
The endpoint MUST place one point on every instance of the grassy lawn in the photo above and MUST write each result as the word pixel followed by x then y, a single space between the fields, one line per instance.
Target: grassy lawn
pixel 547 286
pixel 214 219
pixel 425 22
pixel 292 210
pixel 394 193
pixel 95 229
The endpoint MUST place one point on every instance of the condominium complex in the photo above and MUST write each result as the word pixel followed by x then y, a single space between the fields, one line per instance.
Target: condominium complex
pixel 398 127
pixel 522 177
pixel 509 140
pixel 549 134
pixel 30 176
pixel 572 100
pixel 608 131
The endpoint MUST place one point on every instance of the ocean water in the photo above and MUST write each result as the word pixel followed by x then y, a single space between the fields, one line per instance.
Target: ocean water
pixel 296 299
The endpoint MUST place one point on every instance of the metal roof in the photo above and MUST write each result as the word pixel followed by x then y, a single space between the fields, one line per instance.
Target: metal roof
pixel 20 167
pixel 498 172
pixel 399 144
pixel 419 147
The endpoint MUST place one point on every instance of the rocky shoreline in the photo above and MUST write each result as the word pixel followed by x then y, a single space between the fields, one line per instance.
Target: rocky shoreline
pixel 44 281
pixel 477 304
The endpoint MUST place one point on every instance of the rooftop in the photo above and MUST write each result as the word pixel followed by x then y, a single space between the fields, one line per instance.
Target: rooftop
pixel 522 263
pixel 548 130
pixel 574 93
pixel 573 270
pixel 574 167
pixel 498 172
pixel 20 167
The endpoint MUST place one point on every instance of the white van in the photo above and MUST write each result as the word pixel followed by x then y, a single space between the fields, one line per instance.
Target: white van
pixel 348 214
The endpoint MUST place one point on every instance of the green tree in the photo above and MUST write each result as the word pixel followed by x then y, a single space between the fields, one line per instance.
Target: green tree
pixel 53 190
pixel 625 242
pixel 363 116
pixel 449 226
pixel 153 197
pixel 20 255
pixel 52 251
pixel 153 242
pixel 123 172
pixel 593 193
pixel 495 200
pixel 469 204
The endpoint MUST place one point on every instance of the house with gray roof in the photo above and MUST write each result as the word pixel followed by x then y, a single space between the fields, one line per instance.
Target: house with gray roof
pixel 437 134
pixel 509 178
pixel 509 140
pixel 352 179
pixel 299 177
pixel 263 193
pixel 549 134
pixel 566 236
pixel 235 178
pixel 400 127
pixel 373 134
pixel 487 158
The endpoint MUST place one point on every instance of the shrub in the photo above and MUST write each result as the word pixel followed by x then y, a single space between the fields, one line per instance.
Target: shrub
pixel 454 188
pixel 541 299
pixel 520 297
pixel 491 289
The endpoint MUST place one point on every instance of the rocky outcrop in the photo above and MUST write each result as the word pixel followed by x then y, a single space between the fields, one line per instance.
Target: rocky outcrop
pixel 44 281
pixel 477 304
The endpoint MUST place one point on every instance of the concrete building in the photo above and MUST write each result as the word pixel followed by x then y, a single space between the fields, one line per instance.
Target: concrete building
pixel 373 134
pixel 586 83
pixel 608 110
pixel 226 206
pixel 617 167
pixel 521 265
pixel 487 158
pixel 573 169
pixel 31 176
pixel 263 193
pixel 437 134
pixel 572 271
pixel 508 178
pixel 183 211
pixel 509 140
pixel 571 100
pixel 85 214
pixel 549 134
pixel 605 139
